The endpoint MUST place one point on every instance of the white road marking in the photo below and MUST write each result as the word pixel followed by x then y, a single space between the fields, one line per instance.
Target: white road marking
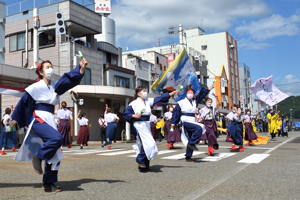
pixel 78 152
pixel 116 153
pixel 254 158
pixel 181 156
pixel 159 153
pixel 216 157
pixel 198 193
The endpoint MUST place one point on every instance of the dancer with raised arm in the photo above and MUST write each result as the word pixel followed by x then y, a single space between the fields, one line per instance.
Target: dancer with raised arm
pixel 36 109
pixel 138 113
pixel 185 112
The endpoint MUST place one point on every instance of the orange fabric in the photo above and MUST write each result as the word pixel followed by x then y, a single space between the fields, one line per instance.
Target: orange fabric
pixel 260 140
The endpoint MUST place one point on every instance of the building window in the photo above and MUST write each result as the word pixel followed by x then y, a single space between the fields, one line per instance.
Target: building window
pixel 46 39
pixel 17 42
pixel 122 82
pixel 203 47
pixel 157 60
pixel 86 79
pixel 165 67
pixel 160 66
pixel 144 84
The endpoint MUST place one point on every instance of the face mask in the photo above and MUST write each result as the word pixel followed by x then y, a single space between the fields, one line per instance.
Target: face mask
pixel 239 111
pixel 190 96
pixel 208 105
pixel 248 113
pixel 49 73
pixel 233 110
pixel 144 95
pixel 171 109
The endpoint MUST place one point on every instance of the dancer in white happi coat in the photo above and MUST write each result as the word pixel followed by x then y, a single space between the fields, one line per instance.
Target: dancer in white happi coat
pixel 36 109
pixel 138 114
pixel 185 112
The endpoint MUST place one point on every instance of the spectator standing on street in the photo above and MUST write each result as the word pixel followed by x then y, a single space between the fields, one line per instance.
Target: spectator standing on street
pixel 111 129
pixel 64 127
pixel 103 125
pixel 8 137
pixel 84 133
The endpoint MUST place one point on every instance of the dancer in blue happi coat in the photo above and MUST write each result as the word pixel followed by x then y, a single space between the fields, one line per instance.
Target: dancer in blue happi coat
pixel 185 112
pixel 138 114
pixel 36 109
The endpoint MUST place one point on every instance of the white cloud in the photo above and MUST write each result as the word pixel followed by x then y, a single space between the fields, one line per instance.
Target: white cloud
pixel 248 44
pixel 273 26
pixel 292 90
pixel 143 22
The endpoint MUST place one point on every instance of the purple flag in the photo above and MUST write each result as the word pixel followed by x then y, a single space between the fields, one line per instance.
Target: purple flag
pixel 267 92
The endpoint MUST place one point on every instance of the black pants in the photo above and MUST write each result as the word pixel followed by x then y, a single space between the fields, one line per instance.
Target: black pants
pixel 279 132
pixel 102 134
pixel 158 135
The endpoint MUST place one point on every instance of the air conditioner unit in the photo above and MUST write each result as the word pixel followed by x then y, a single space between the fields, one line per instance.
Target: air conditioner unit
pixel 2 49
pixel 196 57
pixel 2 20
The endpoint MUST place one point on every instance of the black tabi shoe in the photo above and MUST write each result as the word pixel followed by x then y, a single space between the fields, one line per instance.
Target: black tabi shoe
pixel 81 147
pixel 189 159
pixel 37 165
pixel 87 144
pixel 102 145
pixel 193 147
pixel 51 187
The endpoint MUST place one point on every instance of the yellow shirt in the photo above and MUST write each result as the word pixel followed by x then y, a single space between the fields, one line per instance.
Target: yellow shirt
pixel 273 123
pixel 279 124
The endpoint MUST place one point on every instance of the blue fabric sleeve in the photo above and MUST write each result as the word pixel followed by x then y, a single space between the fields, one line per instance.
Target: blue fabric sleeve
pixel 176 115
pixel 201 95
pixel 68 81
pixel 127 115
pixel 163 99
pixel 24 109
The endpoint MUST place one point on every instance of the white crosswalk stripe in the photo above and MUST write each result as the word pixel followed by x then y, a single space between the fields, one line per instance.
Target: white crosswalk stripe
pixel 180 156
pixel 80 152
pixel 216 157
pixel 116 153
pixel 159 153
pixel 254 158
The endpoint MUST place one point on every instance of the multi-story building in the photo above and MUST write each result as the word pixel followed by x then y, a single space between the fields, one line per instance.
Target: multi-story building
pixel 105 80
pixel 245 91
pixel 219 49
pixel 2 31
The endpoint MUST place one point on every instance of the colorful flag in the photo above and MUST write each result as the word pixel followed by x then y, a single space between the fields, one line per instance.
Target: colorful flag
pixel 16 92
pixel 180 73
pixel 267 92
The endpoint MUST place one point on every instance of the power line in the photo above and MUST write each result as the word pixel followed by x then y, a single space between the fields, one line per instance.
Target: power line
pixel 289 83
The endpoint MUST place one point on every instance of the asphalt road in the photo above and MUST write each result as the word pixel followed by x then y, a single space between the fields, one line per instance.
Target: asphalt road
pixel 272 173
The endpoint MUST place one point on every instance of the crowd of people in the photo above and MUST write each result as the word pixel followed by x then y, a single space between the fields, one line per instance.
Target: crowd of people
pixel 182 122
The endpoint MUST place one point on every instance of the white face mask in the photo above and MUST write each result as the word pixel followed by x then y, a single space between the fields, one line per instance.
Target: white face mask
pixel 208 105
pixel 49 73
pixel 233 110
pixel 190 96
pixel 248 113
pixel 171 109
pixel 144 95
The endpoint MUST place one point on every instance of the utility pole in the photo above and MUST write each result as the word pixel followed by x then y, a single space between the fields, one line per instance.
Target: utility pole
pixel 36 25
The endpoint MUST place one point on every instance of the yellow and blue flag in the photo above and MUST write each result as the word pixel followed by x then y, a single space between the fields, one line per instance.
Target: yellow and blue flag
pixel 180 73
